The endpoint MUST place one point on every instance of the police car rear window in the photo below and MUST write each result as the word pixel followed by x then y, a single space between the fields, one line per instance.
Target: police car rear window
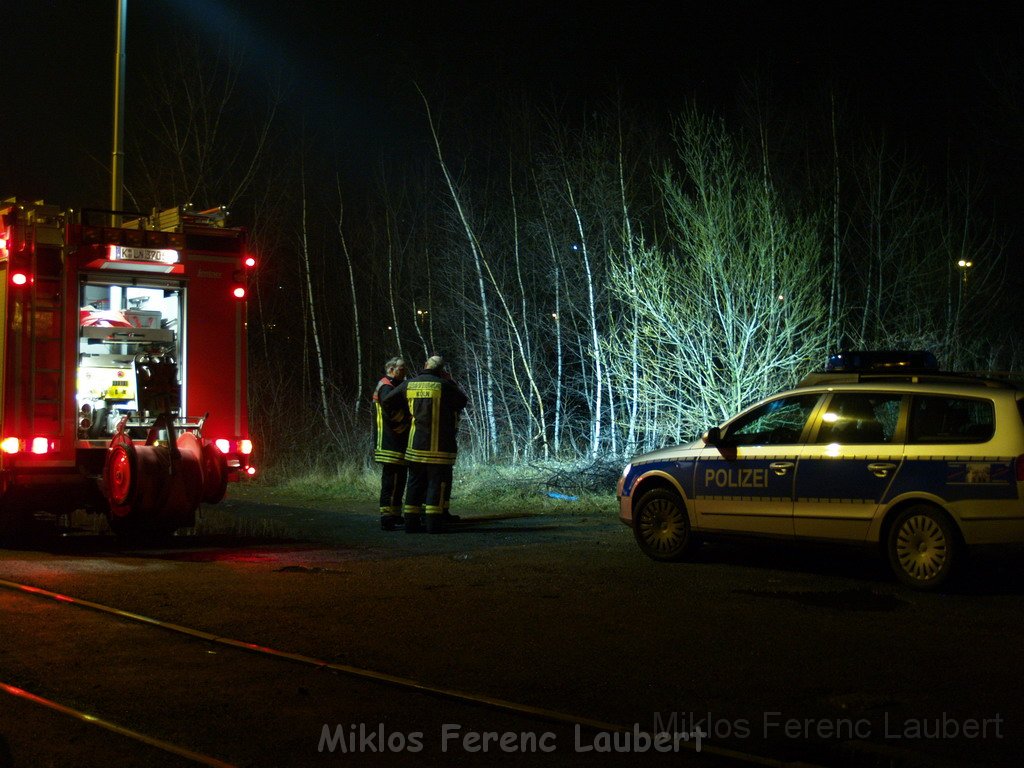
pixel 859 418
pixel 938 419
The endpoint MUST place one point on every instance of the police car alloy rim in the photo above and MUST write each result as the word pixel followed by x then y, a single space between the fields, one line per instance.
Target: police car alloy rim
pixel 662 526
pixel 922 547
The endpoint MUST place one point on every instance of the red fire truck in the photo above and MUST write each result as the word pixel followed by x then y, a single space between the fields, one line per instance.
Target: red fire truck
pixel 122 364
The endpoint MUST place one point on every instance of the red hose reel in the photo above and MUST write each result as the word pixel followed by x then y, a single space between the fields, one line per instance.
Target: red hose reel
pixel 161 481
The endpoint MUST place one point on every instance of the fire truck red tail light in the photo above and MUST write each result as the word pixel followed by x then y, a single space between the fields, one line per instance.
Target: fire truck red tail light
pixel 238 291
pixel 243 447
pixel 249 262
pixel 250 471
pixel 36 445
pixel 20 278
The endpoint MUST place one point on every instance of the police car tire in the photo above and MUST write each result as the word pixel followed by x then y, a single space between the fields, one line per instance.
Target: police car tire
pixel 661 526
pixel 923 547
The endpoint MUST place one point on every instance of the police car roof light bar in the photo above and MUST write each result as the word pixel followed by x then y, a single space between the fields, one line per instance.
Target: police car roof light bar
pixel 878 361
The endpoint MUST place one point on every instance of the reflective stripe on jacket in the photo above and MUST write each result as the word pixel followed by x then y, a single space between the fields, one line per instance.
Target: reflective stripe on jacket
pixel 390 429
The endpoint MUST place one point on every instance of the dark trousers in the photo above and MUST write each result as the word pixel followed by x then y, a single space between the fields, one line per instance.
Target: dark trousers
pixel 445 479
pixel 392 486
pixel 429 488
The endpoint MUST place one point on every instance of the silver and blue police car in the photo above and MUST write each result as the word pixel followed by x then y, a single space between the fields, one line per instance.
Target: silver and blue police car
pixel 880 449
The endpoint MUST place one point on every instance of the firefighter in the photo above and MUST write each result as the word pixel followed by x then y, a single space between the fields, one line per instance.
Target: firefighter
pixel 434 401
pixel 390 434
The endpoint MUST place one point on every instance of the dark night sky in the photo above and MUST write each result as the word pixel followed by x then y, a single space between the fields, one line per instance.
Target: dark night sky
pixel 915 66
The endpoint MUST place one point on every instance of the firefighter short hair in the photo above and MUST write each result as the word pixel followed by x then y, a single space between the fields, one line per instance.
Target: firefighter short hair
pixel 434 363
pixel 393 364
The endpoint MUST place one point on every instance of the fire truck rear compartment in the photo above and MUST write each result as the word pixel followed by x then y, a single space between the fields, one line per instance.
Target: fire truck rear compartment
pixel 128 361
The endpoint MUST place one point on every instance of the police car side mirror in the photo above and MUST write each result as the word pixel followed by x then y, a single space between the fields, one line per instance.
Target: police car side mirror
pixel 712 437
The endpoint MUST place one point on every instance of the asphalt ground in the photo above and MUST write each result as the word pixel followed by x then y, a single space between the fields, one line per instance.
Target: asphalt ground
pixel 782 653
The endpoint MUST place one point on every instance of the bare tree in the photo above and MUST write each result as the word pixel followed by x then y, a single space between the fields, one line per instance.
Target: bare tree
pixel 311 304
pixel 357 331
pixel 474 247
pixel 204 139
pixel 733 311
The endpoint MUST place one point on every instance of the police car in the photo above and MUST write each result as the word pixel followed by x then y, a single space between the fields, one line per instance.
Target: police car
pixel 881 449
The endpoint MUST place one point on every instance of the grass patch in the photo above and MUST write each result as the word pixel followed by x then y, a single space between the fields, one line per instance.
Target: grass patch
pixel 549 487
pixel 546 487
pixel 217 521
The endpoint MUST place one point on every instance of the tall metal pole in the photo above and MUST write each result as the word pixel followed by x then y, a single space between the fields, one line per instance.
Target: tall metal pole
pixel 117 166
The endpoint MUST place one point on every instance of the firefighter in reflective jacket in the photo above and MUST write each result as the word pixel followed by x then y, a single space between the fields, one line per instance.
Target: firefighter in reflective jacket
pixel 390 435
pixel 434 401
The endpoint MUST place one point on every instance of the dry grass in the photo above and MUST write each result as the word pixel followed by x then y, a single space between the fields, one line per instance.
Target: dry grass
pixel 550 487
pixel 218 521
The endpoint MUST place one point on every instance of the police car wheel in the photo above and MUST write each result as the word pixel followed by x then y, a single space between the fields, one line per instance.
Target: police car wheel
pixel 662 527
pixel 922 547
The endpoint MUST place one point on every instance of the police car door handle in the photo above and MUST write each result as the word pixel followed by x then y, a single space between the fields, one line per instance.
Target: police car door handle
pixel 881 469
pixel 780 467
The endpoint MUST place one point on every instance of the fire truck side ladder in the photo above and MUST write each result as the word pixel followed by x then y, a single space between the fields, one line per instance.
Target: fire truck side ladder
pixel 46 343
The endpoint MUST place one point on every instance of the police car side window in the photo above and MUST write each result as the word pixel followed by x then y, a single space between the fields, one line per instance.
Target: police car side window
pixel 938 419
pixel 858 418
pixel 778 422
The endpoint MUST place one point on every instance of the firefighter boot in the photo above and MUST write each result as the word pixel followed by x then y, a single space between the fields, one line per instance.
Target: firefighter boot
pixel 436 523
pixel 391 522
pixel 413 523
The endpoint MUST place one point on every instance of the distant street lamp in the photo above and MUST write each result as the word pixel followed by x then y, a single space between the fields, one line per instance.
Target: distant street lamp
pixel 964 266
